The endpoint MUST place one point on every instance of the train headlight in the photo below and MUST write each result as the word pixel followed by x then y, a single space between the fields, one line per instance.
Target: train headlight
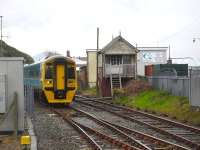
pixel 48 82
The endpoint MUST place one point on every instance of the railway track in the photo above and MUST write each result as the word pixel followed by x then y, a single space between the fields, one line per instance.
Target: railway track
pixel 53 132
pixel 78 128
pixel 118 137
pixel 101 136
pixel 183 133
pixel 141 140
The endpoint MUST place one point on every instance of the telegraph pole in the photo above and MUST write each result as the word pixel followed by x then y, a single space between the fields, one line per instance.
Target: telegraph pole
pixel 169 61
pixel 1 17
pixel 97 81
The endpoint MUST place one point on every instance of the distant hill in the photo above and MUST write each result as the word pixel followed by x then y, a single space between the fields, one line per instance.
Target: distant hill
pixel 9 51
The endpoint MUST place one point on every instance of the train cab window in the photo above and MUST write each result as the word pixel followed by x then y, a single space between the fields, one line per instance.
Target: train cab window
pixel 49 72
pixel 70 72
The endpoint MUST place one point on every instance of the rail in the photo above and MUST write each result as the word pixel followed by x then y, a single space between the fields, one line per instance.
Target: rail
pixel 151 121
pixel 114 129
pixel 79 129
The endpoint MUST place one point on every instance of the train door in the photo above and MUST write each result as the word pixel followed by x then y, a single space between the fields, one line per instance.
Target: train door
pixel 60 77
pixel 60 84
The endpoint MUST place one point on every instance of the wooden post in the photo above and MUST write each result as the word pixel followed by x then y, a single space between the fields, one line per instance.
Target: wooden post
pixel 136 62
pixel 97 80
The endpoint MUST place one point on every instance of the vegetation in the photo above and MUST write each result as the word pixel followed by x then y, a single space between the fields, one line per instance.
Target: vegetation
pixel 8 51
pixel 88 91
pixel 162 102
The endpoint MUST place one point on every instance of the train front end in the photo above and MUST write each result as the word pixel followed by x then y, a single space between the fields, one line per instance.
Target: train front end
pixel 58 80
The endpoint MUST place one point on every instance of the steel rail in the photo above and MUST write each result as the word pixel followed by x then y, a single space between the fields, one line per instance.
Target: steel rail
pixel 177 137
pixel 191 128
pixel 137 133
pixel 110 139
pixel 79 129
pixel 149 137
pixel 136 142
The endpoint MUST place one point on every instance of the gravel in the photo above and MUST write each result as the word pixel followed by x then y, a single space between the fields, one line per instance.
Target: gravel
pixel 9 142
pixel 53 133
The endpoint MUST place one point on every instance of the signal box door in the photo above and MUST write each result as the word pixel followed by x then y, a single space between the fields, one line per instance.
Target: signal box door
pixel 60 76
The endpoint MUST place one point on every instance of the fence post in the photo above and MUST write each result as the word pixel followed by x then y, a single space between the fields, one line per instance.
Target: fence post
pixel 190 80
pixel 15 114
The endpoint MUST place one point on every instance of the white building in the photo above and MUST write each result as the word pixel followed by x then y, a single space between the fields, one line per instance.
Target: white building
pixel 149 56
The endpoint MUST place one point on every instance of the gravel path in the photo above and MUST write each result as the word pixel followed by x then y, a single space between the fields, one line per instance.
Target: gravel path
pixel 53 133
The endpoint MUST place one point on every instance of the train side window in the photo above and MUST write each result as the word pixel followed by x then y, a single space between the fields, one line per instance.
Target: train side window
pixel 70 72
pixel 49 72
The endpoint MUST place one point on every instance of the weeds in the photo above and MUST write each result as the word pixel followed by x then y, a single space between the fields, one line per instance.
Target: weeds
pixel 163 103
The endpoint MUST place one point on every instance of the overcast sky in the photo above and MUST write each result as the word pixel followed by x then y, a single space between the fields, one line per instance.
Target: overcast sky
pixel 34 26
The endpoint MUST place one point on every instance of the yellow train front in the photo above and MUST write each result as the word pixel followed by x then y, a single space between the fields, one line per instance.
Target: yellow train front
pixel 56 81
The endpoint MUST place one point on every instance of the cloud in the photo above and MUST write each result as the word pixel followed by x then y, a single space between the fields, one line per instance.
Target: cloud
pixel 38 25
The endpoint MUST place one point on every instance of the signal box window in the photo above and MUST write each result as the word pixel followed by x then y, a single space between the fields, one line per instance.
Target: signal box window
pixel 116 59
pixel 49 72
pixel 127 59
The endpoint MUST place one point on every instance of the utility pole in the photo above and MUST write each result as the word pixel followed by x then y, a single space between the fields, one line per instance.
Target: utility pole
pixel 169 61
pixel 1 17
pixel 97 80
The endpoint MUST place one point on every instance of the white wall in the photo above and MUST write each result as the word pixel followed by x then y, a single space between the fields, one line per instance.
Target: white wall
pixel 148 56
pixel 12 67
pixel 92 68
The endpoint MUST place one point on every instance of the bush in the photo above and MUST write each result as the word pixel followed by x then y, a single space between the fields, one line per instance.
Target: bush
pixel 136 86
pixel 119 93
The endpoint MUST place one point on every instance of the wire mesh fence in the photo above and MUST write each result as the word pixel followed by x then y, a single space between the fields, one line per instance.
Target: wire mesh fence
pixel 29 99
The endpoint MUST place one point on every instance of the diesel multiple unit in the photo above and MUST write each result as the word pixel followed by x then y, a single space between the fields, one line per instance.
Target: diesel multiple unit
pixel 54 79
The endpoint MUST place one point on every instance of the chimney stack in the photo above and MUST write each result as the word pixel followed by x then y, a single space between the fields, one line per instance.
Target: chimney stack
pixel 68 53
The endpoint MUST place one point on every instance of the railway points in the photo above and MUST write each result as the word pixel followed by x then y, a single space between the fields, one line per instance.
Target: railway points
pixel 187 135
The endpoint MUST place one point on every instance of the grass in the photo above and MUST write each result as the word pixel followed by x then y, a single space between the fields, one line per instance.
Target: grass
pixel 162 103
pixel 89 91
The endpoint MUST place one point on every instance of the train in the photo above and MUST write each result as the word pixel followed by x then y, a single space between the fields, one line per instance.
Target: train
pixel 54 79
